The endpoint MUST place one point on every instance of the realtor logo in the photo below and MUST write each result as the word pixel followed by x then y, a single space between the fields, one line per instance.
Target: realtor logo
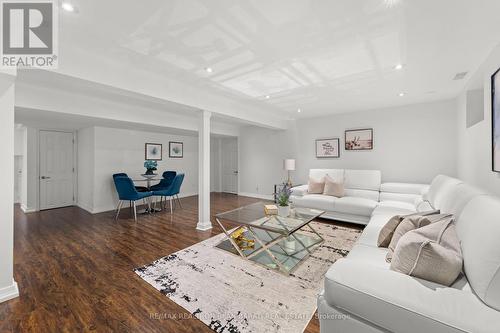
pixel 29 33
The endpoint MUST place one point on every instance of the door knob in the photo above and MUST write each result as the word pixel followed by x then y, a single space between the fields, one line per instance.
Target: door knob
pixel 44 177
pixel 235 172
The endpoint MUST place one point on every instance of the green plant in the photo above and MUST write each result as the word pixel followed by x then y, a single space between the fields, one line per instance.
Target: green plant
pixel 283 196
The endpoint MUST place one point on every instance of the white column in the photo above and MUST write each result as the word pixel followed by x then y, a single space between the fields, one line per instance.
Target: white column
pixel 8 287
pixel 204 222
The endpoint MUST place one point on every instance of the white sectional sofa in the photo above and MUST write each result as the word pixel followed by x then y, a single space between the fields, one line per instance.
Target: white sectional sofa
pixel 364 195
pixel 361 293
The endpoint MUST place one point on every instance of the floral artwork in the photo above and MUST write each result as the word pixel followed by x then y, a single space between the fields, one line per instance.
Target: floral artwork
pixel 153 152
pixel 176 149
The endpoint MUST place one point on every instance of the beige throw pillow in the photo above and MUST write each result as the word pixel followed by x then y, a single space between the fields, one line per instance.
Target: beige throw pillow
pixel 316 186
pixel 431 253
pixel 333 188
pixel 408 224
pixel 386 233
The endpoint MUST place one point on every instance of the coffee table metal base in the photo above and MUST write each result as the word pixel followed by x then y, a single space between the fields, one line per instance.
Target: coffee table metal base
pixel 274 250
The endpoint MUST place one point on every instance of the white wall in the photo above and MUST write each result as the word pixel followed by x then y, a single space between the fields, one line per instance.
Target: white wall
pixel 411 144
pixel 474 156
pixel 86 168
pixel 29 180
pixel 104 151
pixel 8 287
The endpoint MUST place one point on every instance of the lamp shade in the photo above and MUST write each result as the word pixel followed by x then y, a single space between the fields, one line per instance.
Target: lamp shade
pixel 289 164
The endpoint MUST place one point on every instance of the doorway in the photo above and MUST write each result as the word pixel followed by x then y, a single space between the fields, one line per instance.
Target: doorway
pixel 229 165
pixel 57 169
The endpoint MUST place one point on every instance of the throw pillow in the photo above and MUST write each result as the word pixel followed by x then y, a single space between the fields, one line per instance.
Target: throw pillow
pixel 316 186
pixel 333 188
pixel 431 253
pixel 408 224
pixel 386 233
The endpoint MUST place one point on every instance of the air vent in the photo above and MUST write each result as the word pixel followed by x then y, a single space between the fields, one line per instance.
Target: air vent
pixel 460 76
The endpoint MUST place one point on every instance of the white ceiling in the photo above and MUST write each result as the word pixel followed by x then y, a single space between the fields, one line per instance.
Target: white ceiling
pixel 322 56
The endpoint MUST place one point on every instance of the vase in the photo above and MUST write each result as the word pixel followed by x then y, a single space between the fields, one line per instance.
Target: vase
pixel 283 211
pixel 149 172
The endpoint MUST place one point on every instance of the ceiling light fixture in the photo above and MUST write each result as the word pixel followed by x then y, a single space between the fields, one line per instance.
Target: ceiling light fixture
pixel 398 67
pixel 299 110
pixel 209 69
pixel 401 94
pixel 68 7
pixel 267 96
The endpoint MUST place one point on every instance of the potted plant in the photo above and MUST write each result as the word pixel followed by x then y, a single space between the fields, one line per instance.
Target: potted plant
pixel 283 200
pixel 151 167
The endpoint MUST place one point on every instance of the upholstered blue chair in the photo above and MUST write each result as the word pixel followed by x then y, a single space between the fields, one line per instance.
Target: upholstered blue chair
pixel 127 192
pixel 172 191
pixel 168 178
pixel 138 188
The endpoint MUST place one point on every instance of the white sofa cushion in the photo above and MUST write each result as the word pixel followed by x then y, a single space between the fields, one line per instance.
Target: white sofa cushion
pixel 422 205
pixel 478 228
pixel 404 188
pixel 391 208
pixel 457 198
pixel 371 255
pixel 441 188
pixel 299 190
pixel 336 174
pixel 315 201
pixel 410 198
pixel 355 206
pixel 362 179
pixel 367 194
pixel 401 303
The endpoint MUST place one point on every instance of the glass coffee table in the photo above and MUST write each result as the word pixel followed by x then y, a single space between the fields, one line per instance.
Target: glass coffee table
pixel 270 240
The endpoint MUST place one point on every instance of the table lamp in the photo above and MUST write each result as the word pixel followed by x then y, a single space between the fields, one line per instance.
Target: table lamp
pixel 289 165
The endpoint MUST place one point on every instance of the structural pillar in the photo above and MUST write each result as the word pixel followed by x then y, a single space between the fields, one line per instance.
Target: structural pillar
pixel 204 222
pixel 8 287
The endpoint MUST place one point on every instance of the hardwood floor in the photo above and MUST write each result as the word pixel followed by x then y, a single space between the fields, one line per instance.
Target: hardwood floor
pixel 74 270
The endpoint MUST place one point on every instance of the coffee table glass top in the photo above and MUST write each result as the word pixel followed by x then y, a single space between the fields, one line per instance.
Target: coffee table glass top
pixel 254 215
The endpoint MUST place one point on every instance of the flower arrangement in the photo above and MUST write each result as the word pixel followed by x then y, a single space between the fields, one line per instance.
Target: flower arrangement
pixel 150 166
pixel 283 195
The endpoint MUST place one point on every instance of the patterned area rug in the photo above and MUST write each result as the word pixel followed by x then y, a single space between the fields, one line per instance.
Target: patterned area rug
pixel 231 294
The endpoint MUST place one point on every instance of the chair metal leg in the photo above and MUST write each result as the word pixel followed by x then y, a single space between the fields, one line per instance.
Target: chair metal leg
pixel 120 203
pixel 135 212
pixel 171 209
pixel 179 200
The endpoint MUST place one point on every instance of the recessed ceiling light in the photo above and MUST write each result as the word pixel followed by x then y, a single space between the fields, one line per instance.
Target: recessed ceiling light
pixel 68 7
pixel 267 96
pixel 299 110
pixel 209 69
pixel 401 94
pixel 398 67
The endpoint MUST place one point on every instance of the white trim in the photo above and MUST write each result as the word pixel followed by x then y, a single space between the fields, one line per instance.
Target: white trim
pixel 27 210
pixel 204 226
pixel 9 292
pixel 85 207
pixel 257 195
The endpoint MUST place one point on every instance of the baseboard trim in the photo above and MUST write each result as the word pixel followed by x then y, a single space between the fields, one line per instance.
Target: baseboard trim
pixel 85 207
pixel 204 226
pixel 27 210
pixel 256 195
pixel 9 292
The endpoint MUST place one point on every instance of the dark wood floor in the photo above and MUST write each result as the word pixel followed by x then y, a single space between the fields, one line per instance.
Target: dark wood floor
pixel 74 270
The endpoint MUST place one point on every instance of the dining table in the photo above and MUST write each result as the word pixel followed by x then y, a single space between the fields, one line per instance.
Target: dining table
pixel 148 179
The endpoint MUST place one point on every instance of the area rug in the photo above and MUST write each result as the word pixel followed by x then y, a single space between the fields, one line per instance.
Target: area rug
pixel 231 294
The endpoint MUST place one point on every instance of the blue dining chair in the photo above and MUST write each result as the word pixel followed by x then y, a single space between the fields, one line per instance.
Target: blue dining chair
pixel 172 191
pixel 138 188
pixel 127 192
pixel 168 178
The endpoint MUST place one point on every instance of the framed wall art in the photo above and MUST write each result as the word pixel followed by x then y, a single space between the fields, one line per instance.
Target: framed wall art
pixel 153 151
pixel 175 149
pixel 359 139
pixel 328 148
pixel 495 121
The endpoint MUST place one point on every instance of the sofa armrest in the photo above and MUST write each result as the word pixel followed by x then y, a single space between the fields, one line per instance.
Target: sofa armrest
pixel 397 301
pixel 299 191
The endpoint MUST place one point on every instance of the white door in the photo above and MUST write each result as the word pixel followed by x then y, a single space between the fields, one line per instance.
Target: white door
pixel 229 165
pixel 18 172
pixel 56 169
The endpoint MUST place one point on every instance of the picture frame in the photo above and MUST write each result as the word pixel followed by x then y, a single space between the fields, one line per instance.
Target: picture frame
pixel 495 122
pixel 328 148
pixel 153 151
pixel 175 149
pixel 359 139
